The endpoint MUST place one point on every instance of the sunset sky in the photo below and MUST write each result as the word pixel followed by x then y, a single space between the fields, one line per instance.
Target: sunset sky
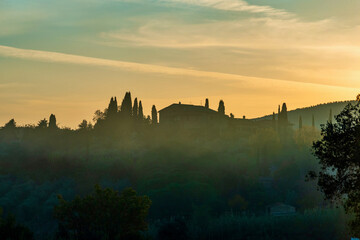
pixel 69 57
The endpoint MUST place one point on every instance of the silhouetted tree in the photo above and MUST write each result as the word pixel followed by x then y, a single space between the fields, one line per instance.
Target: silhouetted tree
pixel 42 123
pixel 154 115
pixel 135 110
pixel 284 114
pixel 98 115
pixel 358 98
pixel 105 214
pixel 10 125
pixel 339 153
pixel 83 125
pixel 11 230
pixel 221 108
pixel 330 116
pixel 112 108
pixel 141 114
pixel 126 105
pixel 300 122
pixel 232 115
pixel 52 121
pixel 206 103
pixel 148 120
pixel 279 112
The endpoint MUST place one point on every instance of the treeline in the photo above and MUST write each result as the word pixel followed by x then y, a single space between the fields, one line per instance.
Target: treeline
pixel 189 174
pixel 314 115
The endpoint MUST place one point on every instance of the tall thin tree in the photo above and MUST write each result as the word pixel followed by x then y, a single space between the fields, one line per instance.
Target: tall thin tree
pixel 126 105
pixel 221 108
pixel 52 121
pixel 141 114
pixel 207 103
pixel 135 110
pixel 154 115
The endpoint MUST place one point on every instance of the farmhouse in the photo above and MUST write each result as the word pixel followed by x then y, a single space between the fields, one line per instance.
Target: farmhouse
pixel 186 114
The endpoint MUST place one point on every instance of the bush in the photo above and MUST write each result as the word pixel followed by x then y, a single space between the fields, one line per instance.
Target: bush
pixel 105 214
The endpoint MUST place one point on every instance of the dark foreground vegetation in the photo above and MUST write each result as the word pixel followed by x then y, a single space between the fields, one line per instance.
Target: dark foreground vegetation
pixel 224 180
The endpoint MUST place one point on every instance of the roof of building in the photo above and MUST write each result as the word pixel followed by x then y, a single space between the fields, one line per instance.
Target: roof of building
pixel 187 107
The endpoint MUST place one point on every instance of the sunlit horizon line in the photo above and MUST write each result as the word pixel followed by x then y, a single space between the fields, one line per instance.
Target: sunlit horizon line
pixel 189 103
pixel 58 57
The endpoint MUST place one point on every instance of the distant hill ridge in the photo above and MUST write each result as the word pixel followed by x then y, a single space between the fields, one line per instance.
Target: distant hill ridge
pixel 321 113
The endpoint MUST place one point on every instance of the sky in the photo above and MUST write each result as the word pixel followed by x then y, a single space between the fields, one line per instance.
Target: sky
pixel 70 57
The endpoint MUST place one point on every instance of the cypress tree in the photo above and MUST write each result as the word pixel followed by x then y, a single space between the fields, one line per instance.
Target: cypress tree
pixel 279 112
pixel 112 108
pixel 141 114
pixel 126 105
pixel 154 115
pixel 330 116
pixel 284 114
pixel 10 125
pixel 52 121
pixel 135 110
pixel 300 122
pixel 115 105
pixel 221 108
pixel 206 103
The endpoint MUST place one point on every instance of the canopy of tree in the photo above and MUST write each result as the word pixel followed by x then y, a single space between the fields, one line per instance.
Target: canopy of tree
pixel 105 214
pixel 339 155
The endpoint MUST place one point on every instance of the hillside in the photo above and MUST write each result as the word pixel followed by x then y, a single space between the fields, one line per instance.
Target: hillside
pixel 321 113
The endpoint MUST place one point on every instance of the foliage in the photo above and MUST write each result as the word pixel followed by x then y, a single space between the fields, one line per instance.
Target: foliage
pixel 10 125
pixel 105 214
pixel 11 230
pixel 52 121
pixel 339 152
pixel 221 108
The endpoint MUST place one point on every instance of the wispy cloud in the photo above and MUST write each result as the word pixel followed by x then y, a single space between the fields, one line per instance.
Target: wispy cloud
pixel 235 5
pixel 55 57
pixel 253 33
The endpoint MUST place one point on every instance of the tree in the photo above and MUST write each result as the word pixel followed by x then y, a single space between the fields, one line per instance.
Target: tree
pixel 112 108
pixel 42 123
pixel 83 125
pixel 278 112
pixel 104 214
pixel 126 106
pixel 135 110
pixel 141 114
pixel 330 116
pixel 98 115
pixel 207 103
pixel 338 152
pixel 11 230
pixel 154 115
pixel 358 98
pixel 52 121
pixel 300 122
pixel 221 108
pixel 10 125
pixel 283 116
